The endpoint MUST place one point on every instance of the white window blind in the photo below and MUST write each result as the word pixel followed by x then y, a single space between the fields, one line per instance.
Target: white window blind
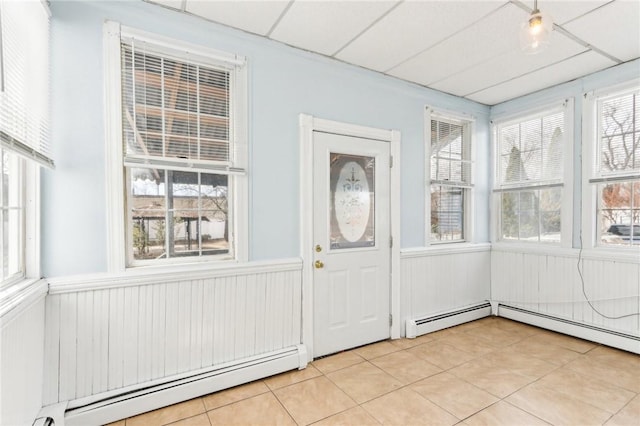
pixel 177 111
pixel 618 138
pixel 450 164
pixel 530 176
pixel 531 152
pixel 24 84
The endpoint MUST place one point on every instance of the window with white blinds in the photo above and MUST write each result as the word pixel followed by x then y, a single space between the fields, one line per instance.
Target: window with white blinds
pixel 450 178
pixel 530 176
pixel 615 174
pixel 24 80
pixel 182 151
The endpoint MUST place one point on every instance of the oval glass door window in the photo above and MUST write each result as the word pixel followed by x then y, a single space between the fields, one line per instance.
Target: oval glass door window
pixel 352 201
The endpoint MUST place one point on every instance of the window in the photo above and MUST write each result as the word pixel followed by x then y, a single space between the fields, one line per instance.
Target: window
pixel 182 158
pixel 449 168
pixel 24 134
pixel 615 169
pixel 531 182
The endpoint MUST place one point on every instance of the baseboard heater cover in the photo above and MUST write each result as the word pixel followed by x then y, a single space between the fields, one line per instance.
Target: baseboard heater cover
pixel 420 326
pixel 151 398
pixel 626 342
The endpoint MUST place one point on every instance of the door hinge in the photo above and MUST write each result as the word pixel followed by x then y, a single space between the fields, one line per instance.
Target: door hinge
pixel 390 241
pixel 390 320
pixel 390 161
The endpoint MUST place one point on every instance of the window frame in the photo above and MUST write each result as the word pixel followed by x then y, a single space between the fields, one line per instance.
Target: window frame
pixel 590 231
pixel 119 255
pixel 566 207
pixel 468 122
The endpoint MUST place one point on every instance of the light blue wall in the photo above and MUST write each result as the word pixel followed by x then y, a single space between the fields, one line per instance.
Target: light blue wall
pixel 575 89
pixel 283 82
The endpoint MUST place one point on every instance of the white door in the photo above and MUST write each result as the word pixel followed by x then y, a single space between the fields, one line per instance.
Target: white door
pixel 351 231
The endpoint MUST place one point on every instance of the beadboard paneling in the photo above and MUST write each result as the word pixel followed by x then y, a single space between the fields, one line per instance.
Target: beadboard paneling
pixel 21 352
pixel 439 280
pixel 109 337
pixel 549 283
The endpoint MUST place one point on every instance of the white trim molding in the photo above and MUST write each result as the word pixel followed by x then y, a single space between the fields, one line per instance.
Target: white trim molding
pixel 147 276
pixel 309 124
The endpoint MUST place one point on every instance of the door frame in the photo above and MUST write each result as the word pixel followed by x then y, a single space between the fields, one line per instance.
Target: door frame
pixel 309 124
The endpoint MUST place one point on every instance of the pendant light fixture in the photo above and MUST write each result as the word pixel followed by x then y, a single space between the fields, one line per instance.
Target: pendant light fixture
pixel 535 32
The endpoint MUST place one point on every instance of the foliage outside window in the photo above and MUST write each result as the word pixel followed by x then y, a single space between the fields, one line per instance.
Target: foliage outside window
pixel 616 175
pixel 450 169
pixel 529 181
pixel 179 157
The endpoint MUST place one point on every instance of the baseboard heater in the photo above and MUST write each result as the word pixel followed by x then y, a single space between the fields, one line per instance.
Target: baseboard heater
pixel 420 326
pixel 589 332
pixel 98 410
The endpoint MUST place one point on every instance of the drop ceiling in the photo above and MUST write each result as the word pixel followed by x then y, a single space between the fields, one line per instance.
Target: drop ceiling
pixel 466 48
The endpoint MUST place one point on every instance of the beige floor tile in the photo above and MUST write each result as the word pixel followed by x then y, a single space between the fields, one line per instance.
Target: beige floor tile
pixel 603 395
pixel 313 400
pixel 550 353
pixel 291 377
pixel 406 367
pixel 615 357
pixel 404 407
pixel 235 394
pixel 169 414
pixel 441 354
pixel 375 350
pixel 471 344
pixel 118 423
pixel 503 414
pixel 454 395
pixel 410 343
pixel 258 410
pixel 556 408
pixel 497 381
pixel 353 416
pixel 619 375
pixel 495 335
pixel 364 381
pixel 520 363
pixel 199 420
pixel 337 361
pixel 628 416
pixel 524 330
pixel 562 340
pixel 435 335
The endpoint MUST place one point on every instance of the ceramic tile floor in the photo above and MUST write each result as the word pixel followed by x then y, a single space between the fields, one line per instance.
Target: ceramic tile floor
pixel 488 372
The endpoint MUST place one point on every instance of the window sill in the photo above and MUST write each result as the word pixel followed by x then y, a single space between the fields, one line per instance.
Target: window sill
pixel 167 274
pixel 444 248
pixel 21 294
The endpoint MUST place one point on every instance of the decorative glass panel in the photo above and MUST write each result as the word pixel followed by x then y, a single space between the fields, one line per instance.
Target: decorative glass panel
pixel 352 195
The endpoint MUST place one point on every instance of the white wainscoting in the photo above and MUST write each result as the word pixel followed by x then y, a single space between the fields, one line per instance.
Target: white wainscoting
pixel 109 335
pixel 548 282
pixel 21 353
pixel 443 278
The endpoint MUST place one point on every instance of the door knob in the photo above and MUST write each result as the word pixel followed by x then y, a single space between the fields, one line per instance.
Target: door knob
pixel 319 264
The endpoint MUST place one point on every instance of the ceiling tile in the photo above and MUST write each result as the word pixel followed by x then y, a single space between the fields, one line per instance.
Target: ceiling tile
pixel 509 65
pixel 325 27
pixel 410 28
pixel 495 35
pixel 613 28
pixel 254 16
pixel 564 11
pixel 174 4
pixel 586 63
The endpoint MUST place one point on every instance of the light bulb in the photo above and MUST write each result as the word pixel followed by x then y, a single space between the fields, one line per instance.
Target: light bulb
pixel 535 32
